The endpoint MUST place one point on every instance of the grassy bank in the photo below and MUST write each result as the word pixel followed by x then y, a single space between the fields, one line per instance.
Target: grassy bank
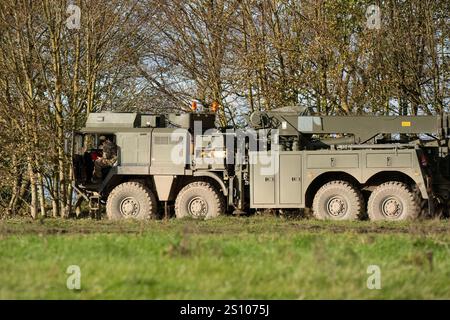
pixel 256 257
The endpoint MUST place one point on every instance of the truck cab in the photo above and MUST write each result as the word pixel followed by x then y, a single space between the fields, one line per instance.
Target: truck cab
pixel 156 158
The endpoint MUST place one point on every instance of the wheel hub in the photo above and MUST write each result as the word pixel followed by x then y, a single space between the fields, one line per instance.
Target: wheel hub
pixel 198 207
pixel 129 207
pixel 336 206
pixel 391 207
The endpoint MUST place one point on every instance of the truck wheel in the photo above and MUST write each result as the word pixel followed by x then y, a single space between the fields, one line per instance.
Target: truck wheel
pixel 393 201
pixel 338 200
pixel 199 200
pixel 131 200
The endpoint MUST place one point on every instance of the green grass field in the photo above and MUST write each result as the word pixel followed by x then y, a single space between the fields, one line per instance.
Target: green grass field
pixel 260 257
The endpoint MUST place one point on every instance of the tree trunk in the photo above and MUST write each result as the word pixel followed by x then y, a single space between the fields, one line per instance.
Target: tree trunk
pixel 33 190
pixel 55 194
pixel 16 186
pixel 41 194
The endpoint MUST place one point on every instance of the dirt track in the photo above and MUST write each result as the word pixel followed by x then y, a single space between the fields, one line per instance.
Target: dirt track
pixel 225 225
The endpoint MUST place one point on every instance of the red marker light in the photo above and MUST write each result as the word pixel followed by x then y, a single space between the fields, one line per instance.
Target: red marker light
pixel 194 106
pixel 214 106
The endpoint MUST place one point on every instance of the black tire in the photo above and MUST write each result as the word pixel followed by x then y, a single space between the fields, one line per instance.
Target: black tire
pixel 131 200
pixel 199 200
pixel 393 201
pixel 338 200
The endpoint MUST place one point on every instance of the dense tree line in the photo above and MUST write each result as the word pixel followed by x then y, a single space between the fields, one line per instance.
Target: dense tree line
pixel 337 57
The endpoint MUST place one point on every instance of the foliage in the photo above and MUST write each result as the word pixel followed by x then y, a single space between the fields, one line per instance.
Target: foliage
pixel 158 55
pixel 227 258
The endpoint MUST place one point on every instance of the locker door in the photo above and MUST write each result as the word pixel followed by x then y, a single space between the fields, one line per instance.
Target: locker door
pixel 290 179
pixel 263 179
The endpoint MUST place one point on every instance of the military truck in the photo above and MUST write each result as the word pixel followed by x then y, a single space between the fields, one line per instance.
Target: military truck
pixel 341 167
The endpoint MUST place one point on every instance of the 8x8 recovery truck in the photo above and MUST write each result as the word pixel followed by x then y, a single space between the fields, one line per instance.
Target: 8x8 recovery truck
pixel 341 167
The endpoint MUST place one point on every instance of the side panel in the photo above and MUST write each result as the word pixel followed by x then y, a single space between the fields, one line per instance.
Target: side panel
pixel 276 179
pixel 134 149
pixel 274 182
pixel 330 161
pixel 170 151
pixel 383 160
pixel 262 189
pixel 290 184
